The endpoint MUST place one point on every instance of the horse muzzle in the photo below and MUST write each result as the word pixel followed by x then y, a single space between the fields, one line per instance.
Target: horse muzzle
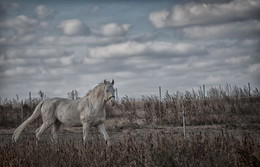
pixel 112 100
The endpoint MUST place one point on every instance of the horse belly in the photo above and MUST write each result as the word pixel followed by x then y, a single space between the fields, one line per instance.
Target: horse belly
pixel 97 119
pixel 69 117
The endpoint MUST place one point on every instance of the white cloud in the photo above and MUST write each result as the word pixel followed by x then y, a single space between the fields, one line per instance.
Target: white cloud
pixel 117 50
pixel 194 14
pixel 79 40
pixel 92 61
pixel 143 64
pixel 159 18
pixel 113 29
pixel 125 74
pixel 36 52
pixel 251 42
pixel 95 9
pixel 131 48
pixel 237 59
pixel 44 12
pixel 64 61
pixel 22 25
pixel 211 80
pixel 15 6
pixel 67 60
pixel 134 53
pixel 254 69
pixel 20 71
pixel 21 30
pixel 18 39
pixel 14 61
pixel 7 6
pixel 106 34
pixel 74 27
pixel 243 29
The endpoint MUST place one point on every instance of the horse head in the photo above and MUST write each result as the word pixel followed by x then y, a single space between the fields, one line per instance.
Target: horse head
pixel 109 92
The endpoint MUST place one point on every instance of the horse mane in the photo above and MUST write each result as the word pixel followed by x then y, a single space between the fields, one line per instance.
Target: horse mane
pixel 94 90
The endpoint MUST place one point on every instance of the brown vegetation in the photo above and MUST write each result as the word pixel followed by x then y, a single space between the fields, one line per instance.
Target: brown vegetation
pixel 221 149
pixel 230 108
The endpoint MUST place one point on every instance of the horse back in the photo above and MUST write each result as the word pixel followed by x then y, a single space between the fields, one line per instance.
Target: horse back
pixel 64 110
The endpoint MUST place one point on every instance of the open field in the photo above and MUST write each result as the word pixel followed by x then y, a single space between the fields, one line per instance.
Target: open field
pixel 137 146
pixel 221 130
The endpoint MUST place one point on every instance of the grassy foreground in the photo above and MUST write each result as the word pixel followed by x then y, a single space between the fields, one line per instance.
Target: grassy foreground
pixel 200 149
pixel 230 108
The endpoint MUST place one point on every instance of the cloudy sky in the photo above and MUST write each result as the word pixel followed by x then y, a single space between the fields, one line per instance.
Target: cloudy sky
pixel 58 46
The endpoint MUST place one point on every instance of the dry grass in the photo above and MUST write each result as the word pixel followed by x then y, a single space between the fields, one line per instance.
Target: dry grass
pixel 232 108
pixel 201 149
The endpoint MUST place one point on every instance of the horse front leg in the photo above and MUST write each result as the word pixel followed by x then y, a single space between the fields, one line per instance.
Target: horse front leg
pixel 102 130
pixel 85 129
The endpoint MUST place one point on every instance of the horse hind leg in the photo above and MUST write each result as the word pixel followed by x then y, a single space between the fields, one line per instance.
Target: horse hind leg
pixel 54 132
pixel 40 130
pixel 37 130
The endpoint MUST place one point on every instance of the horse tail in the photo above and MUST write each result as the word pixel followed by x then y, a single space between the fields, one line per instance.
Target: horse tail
pixel 36 113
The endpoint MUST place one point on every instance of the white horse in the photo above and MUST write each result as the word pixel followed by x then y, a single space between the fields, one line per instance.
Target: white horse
pixel 88 111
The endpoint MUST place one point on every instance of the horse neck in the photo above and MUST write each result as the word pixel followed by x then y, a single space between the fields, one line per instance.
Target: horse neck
pixel 96 97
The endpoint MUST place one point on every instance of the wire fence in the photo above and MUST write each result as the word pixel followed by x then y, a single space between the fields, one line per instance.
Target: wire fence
pixel 164 107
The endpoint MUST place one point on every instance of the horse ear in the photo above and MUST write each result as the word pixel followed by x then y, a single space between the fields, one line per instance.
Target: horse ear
pixel 105 81
pixel 113 82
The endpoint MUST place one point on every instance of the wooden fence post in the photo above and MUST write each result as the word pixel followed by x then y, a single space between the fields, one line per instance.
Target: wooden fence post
pixel 30 98
pixel 249 89
pixel 183 117
pixel 160 93
pixel 22 114
pixel 204 92
pixel 160 99
pixel 116 95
